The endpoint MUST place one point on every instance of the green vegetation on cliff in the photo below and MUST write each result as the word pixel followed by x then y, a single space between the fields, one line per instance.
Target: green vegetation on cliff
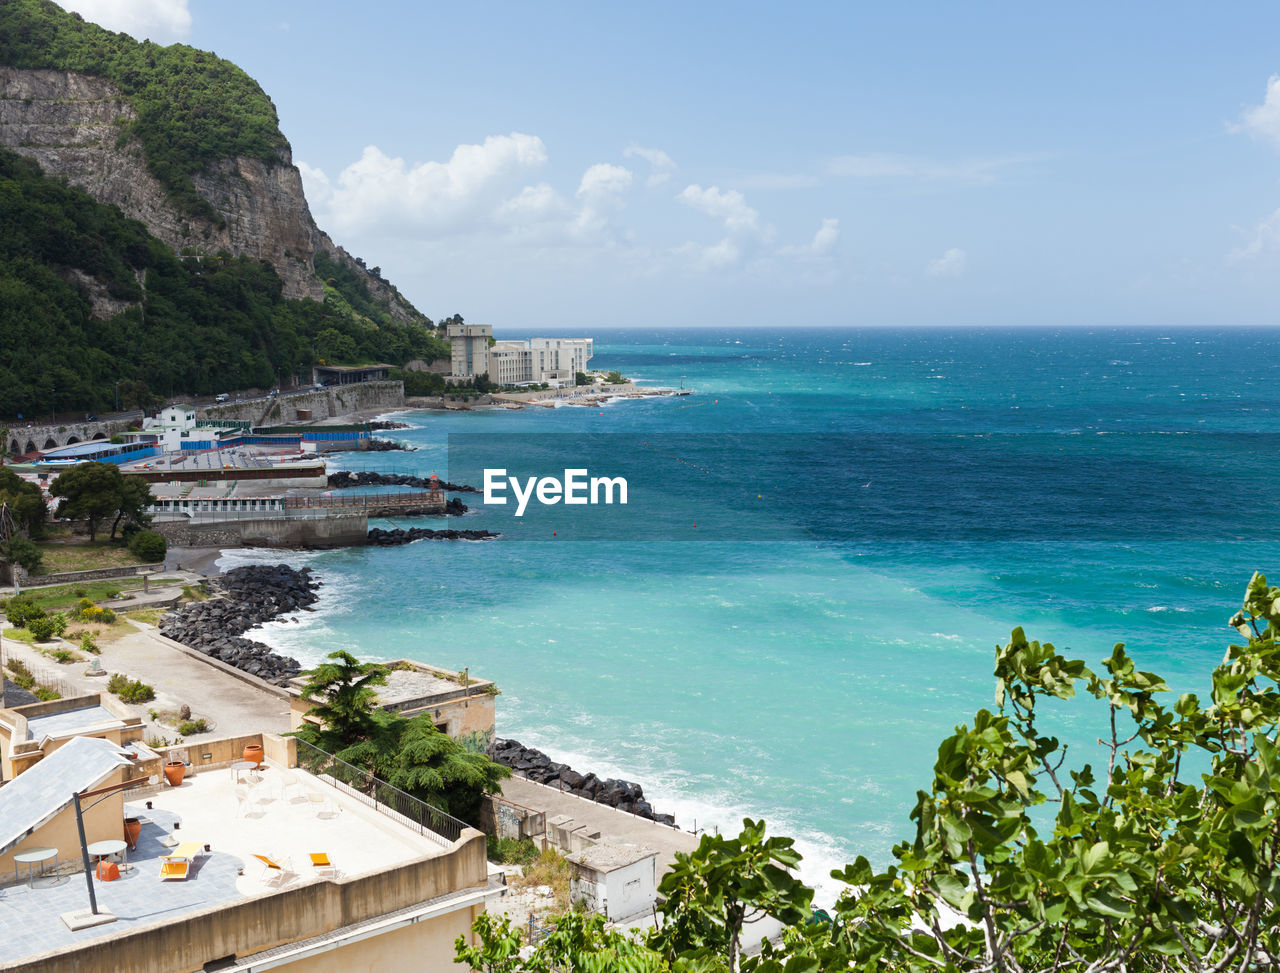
pixel 193 107
pixel 196 325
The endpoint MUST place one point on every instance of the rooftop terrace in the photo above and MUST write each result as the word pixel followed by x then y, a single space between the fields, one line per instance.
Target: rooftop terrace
pixel 287 816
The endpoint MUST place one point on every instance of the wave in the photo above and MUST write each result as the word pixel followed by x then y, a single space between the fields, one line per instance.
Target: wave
pixel 720 812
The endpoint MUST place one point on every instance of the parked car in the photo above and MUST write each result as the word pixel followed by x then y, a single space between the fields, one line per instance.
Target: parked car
pixel 221 397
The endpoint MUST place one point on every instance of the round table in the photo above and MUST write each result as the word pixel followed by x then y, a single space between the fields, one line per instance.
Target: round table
pixel 111 846
pixel 32 857
pixel 240 766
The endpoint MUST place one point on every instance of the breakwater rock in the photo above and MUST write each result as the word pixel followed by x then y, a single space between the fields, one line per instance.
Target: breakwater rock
pixel 388 424
pixel 387 446
pixel 346 478
pixel 625 795
pixel 251 595
pixel 388 538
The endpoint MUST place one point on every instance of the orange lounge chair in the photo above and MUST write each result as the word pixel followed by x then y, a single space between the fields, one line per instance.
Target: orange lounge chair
pixel 320 862
pixel 275 871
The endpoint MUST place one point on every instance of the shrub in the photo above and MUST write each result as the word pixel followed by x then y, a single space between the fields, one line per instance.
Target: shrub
pixel 59 624
pixel 193 726
pixel 41 628
pixel 87 611
pixel 20 611
pixel 22 676
pixel 130 690
pixel 19 550
pixel 44 693
pixel 87 644
pixel 63 656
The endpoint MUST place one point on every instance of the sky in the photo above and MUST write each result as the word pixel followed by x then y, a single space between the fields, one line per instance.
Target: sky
pixel 744 163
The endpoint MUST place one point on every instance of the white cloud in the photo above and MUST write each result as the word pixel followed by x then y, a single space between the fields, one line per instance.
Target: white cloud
pixel 1266 239
pixel 729 206
pixel 744 233
pixel 430 198
pixel 602 181
pixel 823 242
pixel 661 165
pixel 887 166
pixel 950 264
pixel 163 21
pixel 1263 121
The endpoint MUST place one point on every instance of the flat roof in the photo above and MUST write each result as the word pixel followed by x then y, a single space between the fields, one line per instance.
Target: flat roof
pixel 279 819
pixel 605 857
pixel 68 721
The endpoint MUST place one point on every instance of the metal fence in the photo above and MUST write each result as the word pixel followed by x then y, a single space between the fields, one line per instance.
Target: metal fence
pixel 378 794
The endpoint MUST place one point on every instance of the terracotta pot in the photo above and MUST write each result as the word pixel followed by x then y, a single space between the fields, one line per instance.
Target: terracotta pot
pixel 132 828
pixel 174 771
pixel 253 753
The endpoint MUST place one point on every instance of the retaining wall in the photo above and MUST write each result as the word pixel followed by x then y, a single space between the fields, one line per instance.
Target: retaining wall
pixel 99 574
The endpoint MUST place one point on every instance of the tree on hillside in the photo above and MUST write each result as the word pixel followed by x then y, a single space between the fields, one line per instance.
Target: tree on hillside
pixel 1164 856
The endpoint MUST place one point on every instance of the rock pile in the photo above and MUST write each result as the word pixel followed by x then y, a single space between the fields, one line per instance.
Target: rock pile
pixel 387 424
pixel 346 478
pixel 250 596
pixel 388 538
pixel 624 795
pixel 372 445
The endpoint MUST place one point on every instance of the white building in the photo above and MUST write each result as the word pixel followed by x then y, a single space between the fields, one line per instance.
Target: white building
pixel 551 360
pixel 618 881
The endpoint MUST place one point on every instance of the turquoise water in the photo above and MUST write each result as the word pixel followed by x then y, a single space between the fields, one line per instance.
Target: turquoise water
pixel 921 492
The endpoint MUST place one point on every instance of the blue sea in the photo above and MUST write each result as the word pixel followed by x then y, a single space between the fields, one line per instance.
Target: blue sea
pixel 883 507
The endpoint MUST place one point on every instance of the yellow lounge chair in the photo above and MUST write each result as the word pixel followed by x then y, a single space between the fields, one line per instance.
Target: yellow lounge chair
pixel 177 867
pixel 321 864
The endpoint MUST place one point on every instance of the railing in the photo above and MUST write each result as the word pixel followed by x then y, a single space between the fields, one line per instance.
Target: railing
pixel 378 794
pixel 368 500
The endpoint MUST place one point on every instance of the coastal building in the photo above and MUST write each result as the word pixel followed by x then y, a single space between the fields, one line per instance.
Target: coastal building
pixel 470 347
pixel 331 375
pixel 233 867
pixel 531 362
pixel 617 881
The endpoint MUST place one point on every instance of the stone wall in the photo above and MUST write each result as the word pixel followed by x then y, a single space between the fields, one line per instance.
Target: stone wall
pixel 337 530
pixel 329 403
pixel 99 574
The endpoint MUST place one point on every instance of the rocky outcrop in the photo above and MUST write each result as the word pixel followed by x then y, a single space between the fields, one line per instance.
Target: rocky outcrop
pixel 250 596
pixel 625 795
pixel 346 478
pixel 389 538
pixel 71 124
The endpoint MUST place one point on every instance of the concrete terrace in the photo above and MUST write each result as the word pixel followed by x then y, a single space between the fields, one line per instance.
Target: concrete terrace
pixel 287 816
pixel 71 721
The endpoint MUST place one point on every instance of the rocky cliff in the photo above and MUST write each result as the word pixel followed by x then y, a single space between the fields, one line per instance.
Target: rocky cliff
pixel 73 125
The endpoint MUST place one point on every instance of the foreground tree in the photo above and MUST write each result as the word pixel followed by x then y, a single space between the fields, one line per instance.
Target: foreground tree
pixel 1164 857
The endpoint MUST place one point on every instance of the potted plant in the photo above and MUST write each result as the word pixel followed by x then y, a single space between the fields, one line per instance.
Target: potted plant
pixel 174 772
pixel 132 828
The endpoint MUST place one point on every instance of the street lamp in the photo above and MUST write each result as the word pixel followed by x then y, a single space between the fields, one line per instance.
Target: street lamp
pixel 94 917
